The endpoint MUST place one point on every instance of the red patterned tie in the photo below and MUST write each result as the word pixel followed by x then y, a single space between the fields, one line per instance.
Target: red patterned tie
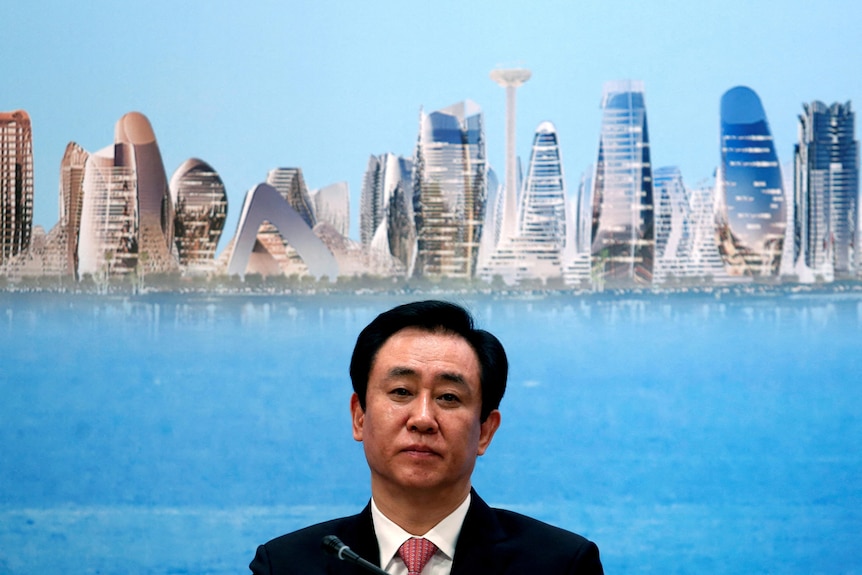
pixel 415 552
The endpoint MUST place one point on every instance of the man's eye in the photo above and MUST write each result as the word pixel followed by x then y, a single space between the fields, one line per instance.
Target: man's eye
pixel 449 398
pixel 400 391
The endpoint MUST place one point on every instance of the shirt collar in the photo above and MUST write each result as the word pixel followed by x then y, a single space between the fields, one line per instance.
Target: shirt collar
pixel 444 535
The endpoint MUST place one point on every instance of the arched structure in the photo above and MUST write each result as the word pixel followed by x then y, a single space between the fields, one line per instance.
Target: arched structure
pixel 264 204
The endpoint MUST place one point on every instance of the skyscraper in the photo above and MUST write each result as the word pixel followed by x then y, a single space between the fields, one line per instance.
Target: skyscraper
pixel 826 190
pixel 108 238
pixel 71 205
pixel 371 198
pixel 706 262
pixel 535 250
pixel 542 210
pixel 135 147
pixel 673 220
pixel 493 220
pixel 579 224
pixel 16 183
pixel 388 182
pixel 200 202
pixel 127 215
pixel 332 205
pixel 750 208
pixel 450 188
pixel 56 254
pixel 623 240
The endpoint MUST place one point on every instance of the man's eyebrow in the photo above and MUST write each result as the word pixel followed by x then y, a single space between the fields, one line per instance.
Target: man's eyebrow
pixel 452 377
pixel 398 371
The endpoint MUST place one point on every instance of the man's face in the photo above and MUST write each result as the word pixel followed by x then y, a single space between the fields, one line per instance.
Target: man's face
pixel 420 427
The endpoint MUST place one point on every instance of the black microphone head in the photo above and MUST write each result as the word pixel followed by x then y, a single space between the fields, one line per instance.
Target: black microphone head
pixel 332 544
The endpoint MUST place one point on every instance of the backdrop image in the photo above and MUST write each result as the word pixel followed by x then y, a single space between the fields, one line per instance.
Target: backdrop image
pixel 654 205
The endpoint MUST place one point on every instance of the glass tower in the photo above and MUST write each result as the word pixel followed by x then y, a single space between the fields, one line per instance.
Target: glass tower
pixel 16 183
pixel 450 188
pixel 542 213
pixel 623 241
pixel 826 190
pixel 750 208
pixel 71 204
pixel 127 215
pixel 387 191
pixel 535 251
pixel 135 147
pixel 108 239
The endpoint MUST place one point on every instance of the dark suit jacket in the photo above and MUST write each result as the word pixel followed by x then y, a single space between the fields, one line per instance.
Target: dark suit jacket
pixel 492 541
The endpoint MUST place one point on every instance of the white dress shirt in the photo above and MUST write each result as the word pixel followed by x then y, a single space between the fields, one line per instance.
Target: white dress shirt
pixel 444 535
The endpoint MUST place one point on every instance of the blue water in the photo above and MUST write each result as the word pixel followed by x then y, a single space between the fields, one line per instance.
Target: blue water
pixel 684 434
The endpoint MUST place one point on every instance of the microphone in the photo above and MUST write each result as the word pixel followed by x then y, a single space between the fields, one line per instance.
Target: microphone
pixel 332 544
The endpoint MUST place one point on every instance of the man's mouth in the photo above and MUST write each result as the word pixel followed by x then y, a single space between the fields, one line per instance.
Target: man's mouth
pixel 419 450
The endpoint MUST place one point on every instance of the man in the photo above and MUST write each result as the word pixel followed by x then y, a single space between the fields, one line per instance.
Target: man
pixel 427 386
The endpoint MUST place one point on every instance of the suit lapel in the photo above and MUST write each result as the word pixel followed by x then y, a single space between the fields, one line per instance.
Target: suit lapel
pixel 480 534
pixel 358 534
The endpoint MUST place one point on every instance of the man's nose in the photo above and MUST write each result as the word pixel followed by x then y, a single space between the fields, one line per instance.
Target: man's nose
pixel 423 414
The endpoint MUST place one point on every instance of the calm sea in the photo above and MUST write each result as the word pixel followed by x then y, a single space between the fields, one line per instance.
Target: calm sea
pixel 683 434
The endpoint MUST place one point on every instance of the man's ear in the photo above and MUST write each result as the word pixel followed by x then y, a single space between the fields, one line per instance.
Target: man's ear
pixel 488 428
pixel 358 416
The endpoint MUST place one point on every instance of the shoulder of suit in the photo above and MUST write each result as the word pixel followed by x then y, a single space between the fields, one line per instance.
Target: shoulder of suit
pixel 517 523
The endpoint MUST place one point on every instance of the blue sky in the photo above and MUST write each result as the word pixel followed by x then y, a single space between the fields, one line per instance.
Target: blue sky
pixel 250 86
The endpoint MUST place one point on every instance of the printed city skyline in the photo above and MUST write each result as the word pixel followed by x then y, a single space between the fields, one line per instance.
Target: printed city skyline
pixel 443 213
pixel 331 135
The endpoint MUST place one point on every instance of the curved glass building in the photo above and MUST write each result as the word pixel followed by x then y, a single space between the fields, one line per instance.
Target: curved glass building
pixel 200 203
pixel 386 207
pixel 750 209
pixel 623 240
pixel 127 215
pixel 108 238
pixel 136 148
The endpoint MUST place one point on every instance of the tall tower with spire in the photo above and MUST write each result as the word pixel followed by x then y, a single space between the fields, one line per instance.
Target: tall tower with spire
pixel 511 79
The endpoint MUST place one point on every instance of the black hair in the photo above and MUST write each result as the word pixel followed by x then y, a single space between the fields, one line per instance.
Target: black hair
pixel 433 315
